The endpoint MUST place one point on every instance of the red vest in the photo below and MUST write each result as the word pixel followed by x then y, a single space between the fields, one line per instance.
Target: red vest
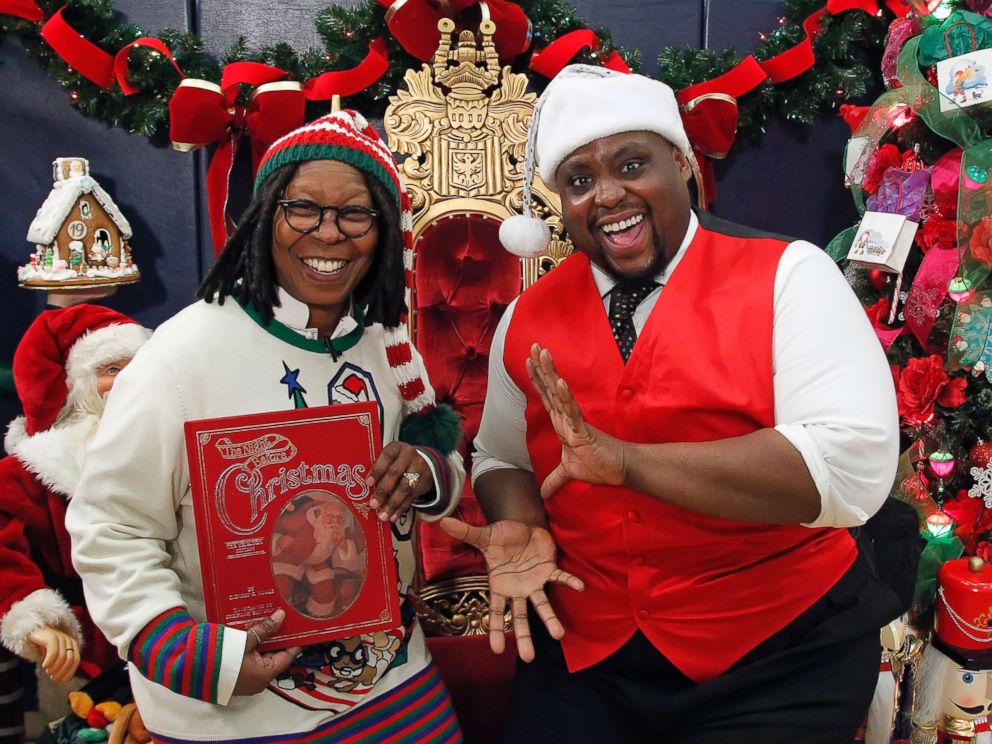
pixel 704 590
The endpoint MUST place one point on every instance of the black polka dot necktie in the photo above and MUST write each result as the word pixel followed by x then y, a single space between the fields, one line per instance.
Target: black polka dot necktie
pixel 624 299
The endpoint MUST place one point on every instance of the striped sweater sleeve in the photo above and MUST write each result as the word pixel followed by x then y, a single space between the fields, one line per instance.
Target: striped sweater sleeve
pixel 449 477
pixel 198 660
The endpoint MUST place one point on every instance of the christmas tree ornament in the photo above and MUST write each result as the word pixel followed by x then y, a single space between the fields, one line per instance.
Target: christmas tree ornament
pixel 81 238
pixel 981 453
pixel 977 173
pixel 960 289
pixel 939 524
pixel 941 463
pixel 878 279
pixel 983 484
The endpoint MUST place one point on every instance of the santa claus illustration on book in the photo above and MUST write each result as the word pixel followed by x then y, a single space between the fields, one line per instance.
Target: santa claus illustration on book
pixel 319 556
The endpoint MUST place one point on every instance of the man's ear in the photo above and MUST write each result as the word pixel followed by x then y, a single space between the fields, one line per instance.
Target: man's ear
pixel 683 164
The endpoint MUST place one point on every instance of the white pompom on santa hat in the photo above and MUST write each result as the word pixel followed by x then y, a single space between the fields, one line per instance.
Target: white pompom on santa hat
pixel 582 104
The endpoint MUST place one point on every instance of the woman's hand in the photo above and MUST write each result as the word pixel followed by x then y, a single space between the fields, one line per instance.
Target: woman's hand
pixel 399 476
pixel 258 669
pixel 61 652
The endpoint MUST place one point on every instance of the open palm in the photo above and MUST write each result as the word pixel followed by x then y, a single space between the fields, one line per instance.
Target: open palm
pixel 521 559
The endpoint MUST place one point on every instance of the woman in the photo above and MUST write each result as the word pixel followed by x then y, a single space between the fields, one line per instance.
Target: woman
pixel 303 307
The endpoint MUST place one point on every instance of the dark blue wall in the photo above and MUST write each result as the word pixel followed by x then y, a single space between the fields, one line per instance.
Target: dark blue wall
pixel 791 183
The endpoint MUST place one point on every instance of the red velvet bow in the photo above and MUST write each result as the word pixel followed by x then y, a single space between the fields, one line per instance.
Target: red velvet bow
pixel 550 60
pixel 89 60
pixel 413 23
pixel 26 9
pixel 202 113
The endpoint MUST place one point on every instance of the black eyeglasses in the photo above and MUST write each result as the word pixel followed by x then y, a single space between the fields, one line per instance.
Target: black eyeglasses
pixel 305 216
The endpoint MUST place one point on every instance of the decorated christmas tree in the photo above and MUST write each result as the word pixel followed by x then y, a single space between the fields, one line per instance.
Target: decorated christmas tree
pixel 920 260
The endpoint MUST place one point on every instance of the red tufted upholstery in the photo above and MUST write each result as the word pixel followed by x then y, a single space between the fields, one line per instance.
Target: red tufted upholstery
pixel 464 281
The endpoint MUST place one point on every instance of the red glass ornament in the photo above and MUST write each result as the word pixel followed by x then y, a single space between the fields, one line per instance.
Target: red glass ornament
pixel 877 279
pixel 980 454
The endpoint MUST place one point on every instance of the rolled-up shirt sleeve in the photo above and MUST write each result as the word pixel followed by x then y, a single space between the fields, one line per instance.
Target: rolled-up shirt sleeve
pixel 834 396
pixel 502 439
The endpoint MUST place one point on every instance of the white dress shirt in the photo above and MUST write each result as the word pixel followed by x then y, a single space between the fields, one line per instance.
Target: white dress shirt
pixel 834 397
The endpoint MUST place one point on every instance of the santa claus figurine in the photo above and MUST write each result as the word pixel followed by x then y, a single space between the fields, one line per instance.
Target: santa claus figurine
pixel 63 367
pixel 954 688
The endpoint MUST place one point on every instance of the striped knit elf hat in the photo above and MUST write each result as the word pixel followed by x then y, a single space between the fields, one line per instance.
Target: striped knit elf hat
pixel 347 137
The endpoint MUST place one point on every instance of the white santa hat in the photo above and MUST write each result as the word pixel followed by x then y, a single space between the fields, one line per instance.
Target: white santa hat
pixel 582 104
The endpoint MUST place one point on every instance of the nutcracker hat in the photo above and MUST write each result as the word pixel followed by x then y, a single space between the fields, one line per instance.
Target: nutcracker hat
pixel 963 612
pixel 582 104
pixel 63 347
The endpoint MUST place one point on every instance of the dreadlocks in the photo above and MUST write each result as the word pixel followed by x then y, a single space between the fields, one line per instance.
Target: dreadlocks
pixel 245 269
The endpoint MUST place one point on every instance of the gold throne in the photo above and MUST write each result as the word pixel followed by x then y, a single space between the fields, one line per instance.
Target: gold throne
pixel 462 123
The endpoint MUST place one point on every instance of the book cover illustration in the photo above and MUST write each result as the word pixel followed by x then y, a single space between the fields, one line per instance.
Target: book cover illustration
pixel 283 520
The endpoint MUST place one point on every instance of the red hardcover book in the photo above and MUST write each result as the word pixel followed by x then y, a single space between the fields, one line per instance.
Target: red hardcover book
pixel 283 520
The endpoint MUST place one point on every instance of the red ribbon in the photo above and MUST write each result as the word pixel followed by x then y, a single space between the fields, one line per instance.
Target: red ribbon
pixel 550 60
pixel 355 80
pixel 798 59
pixel 90 61
pixel 26 9
pixel 413 23
pixel 84 56
pixel 939 266
pixel 202 113
pixel 121 61
pixel 709 110
pixel 872 7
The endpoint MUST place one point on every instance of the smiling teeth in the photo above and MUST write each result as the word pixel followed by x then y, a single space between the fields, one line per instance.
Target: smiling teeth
pixel 324 265
pixel 627 223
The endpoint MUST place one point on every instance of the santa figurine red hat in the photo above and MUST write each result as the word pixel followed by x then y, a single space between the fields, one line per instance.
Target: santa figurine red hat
pixel 63 366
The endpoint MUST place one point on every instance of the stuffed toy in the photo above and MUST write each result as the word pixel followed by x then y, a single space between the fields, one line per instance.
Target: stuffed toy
pixel 63 367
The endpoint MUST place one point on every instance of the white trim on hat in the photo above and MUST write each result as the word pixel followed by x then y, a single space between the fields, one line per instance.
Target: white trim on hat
pixel 584 103
pixel 102 346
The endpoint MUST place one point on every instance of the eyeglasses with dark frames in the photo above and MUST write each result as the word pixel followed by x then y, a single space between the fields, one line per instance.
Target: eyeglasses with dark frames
pixel 305 216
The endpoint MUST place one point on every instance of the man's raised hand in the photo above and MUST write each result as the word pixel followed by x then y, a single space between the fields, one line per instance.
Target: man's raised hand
pixel 587 454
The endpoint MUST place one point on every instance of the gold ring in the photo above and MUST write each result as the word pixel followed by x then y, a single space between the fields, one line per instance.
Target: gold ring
pixel 412 478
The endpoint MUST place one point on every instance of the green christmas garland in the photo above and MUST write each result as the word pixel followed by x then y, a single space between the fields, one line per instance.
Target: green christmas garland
pixel 848 51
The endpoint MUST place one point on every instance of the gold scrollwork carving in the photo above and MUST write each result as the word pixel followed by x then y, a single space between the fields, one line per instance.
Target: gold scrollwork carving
pixel 462 121
pixel 456 607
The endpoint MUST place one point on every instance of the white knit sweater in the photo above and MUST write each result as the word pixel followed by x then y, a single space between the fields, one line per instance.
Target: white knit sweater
pixel 134 541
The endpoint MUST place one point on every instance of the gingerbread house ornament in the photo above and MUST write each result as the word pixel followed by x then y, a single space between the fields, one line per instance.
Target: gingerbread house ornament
pixel 80 235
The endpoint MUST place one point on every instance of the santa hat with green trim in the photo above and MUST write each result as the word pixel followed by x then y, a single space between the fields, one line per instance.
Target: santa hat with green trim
pixel 347 137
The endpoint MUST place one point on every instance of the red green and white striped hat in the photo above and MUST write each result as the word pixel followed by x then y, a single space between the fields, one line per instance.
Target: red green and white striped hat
pixel 347 137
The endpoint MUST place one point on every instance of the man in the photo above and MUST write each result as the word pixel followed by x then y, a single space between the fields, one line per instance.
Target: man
pixel 703 409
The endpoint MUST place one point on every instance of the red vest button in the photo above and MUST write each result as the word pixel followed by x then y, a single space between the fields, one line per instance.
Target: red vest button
pixel 643 614
pixel 634 517
pixel 637 560
pixel 626 393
